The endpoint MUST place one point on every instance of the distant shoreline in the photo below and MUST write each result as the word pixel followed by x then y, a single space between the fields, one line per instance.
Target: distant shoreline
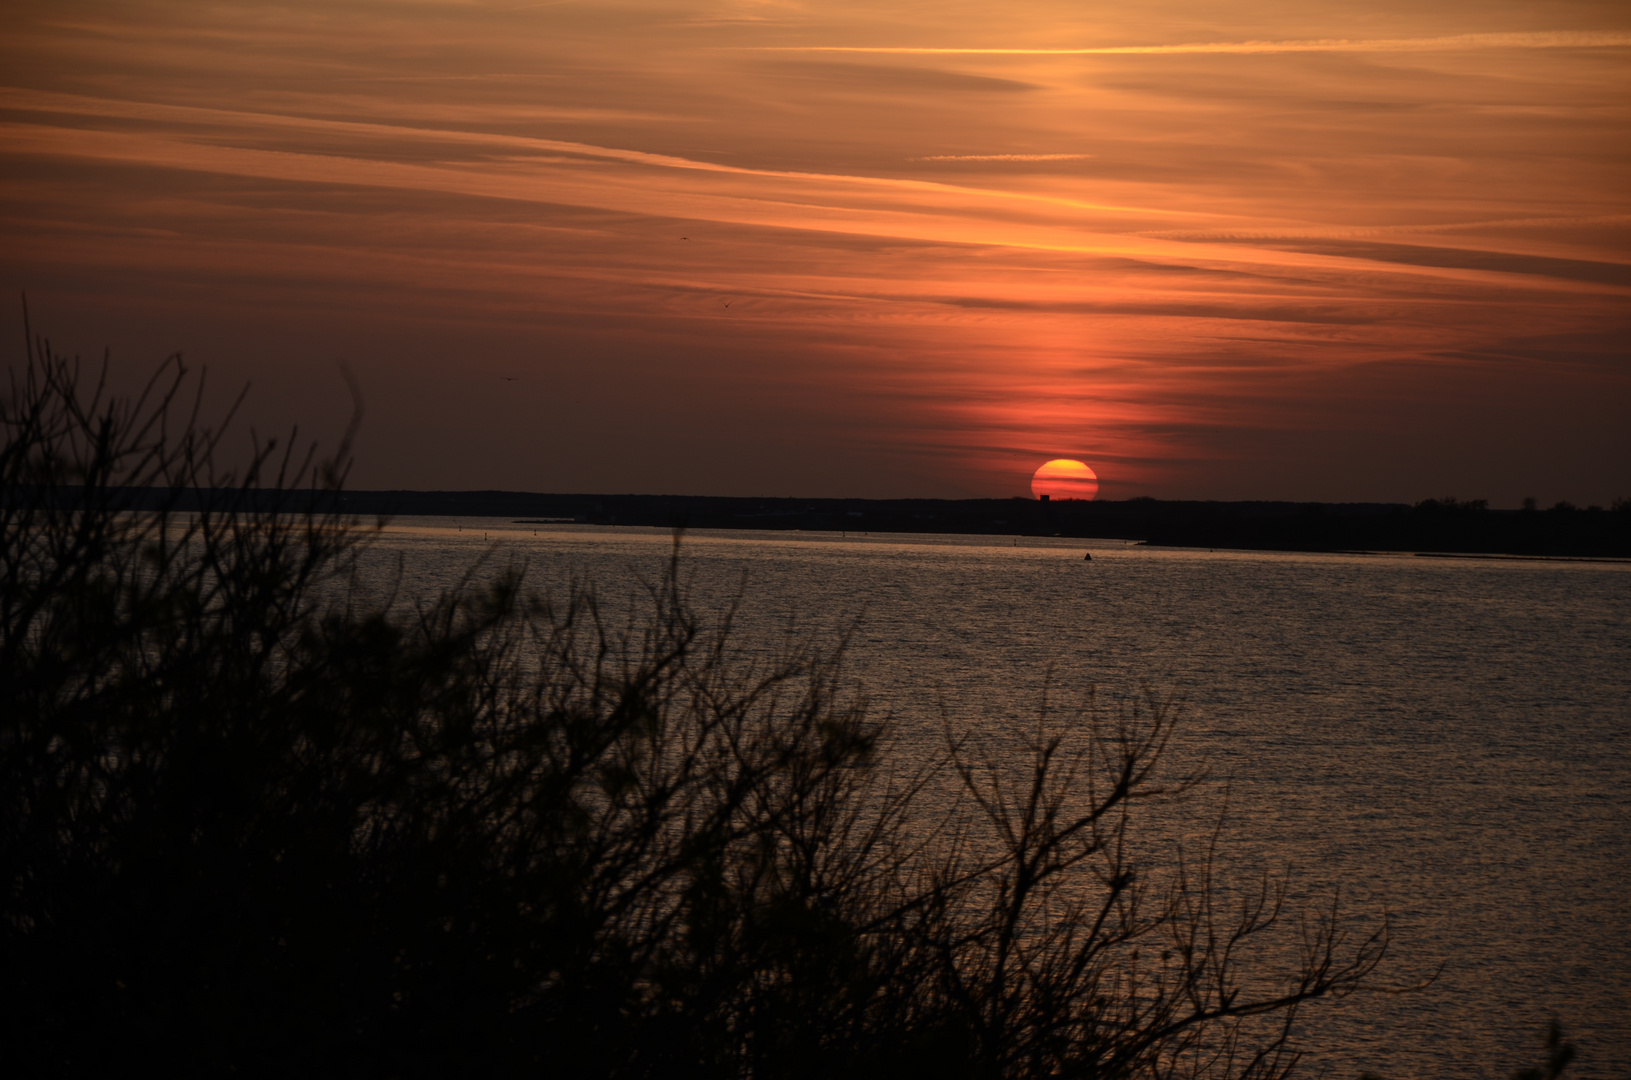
pixel 1429 530
pixel 1497 557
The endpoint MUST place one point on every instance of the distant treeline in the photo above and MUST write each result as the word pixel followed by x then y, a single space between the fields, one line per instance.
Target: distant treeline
pixel 1435 525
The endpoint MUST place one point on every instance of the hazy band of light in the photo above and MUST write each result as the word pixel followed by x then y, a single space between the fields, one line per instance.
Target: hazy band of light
pixel 1567 39
pixel 1003 157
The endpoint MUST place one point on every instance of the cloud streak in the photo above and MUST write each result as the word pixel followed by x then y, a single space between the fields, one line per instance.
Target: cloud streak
pixel 39 139
pixel 1563 39
pixel 1003 157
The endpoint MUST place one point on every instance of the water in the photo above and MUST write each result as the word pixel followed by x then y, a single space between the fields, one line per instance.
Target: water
pixel 1446 739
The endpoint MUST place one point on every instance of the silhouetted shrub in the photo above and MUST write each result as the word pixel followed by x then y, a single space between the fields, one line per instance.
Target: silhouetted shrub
pixel 260 819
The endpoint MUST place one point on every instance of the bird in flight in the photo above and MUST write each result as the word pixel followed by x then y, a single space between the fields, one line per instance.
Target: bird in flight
pixel 509 378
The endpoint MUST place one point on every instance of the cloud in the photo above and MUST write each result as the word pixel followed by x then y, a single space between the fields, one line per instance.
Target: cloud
pixel 1002 157
pixel 195 146
pixel 1567 39
pixel 872 78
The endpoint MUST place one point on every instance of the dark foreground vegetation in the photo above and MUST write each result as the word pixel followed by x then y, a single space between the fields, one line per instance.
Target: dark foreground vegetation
pixel 258 819
pixel 1432 525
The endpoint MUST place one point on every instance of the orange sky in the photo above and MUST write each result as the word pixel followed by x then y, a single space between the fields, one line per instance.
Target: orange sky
pixel 1277 250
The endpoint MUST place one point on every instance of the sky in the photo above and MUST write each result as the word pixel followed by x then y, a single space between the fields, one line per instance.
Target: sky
pixel 1281 250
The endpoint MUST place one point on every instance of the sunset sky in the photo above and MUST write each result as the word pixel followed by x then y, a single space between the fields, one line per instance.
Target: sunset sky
pixel 1336 251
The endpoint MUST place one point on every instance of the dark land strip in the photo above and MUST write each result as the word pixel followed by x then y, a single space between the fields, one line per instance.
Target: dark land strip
pixel 1434 526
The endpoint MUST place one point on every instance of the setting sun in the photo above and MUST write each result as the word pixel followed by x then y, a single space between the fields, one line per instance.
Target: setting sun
pixel 1064 478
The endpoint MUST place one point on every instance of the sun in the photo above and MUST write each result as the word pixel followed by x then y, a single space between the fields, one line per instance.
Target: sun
pixel 1063 478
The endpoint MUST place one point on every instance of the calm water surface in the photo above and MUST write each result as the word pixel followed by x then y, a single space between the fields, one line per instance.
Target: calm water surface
pixel 1447 739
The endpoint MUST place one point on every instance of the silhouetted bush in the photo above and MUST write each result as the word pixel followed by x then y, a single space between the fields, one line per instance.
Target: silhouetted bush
pixel 259 818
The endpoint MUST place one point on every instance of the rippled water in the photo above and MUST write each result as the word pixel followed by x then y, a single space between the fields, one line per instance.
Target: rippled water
pixel 1448 739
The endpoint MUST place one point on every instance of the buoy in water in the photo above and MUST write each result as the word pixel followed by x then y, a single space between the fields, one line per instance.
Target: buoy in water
pixel 1088 557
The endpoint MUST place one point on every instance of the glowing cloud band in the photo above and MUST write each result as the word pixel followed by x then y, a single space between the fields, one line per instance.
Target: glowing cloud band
pixel 1556 40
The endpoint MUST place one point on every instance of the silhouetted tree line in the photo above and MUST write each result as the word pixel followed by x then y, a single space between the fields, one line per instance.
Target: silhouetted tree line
pixel 1449 504
pixel 1432 525
pixel 258 818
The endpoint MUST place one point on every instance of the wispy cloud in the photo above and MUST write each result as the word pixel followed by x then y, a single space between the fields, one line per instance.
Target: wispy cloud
pixel 209 152
pixel 1002 157
pixel 1565 39
pixel 1416 228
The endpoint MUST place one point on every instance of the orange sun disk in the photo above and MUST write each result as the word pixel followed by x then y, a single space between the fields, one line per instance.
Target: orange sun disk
pixel 1062 479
